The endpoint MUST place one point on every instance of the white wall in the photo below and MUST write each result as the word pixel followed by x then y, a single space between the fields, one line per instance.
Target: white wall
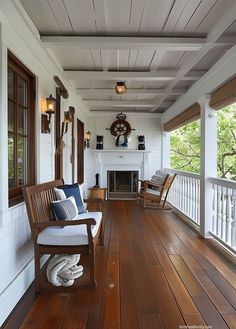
pixel 17 34
pixel 147 125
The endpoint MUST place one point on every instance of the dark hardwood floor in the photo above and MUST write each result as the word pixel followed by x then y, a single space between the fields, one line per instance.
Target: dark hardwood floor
pixel 154 272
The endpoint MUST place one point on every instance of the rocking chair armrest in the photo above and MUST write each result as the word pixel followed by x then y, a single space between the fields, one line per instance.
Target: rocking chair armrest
pixel 87 221
pixel 148 182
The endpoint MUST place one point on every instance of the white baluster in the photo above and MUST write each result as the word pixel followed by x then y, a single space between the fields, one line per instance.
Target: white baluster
pixel 191 197
pixel 195 200
pixel 198 201
pixel 233 223
pixel 214 207
pixel 228 215
pixel 218 223
pixel 223 217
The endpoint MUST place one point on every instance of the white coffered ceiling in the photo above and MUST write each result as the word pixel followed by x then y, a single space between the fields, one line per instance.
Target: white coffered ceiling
pixel 158 47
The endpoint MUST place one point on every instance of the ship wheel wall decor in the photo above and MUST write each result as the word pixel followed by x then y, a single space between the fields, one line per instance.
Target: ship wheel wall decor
pixel 120 128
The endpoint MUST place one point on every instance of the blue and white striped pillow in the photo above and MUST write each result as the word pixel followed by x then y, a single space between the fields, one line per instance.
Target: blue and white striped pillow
pixel 65 209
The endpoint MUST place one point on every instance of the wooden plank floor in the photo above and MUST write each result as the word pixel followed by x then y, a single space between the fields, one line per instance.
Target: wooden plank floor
pixel 154 272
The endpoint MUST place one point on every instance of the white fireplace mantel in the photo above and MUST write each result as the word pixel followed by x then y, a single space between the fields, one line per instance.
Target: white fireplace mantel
pixel 121 160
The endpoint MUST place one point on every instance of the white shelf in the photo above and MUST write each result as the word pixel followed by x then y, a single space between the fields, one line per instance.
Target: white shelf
pixel 120 149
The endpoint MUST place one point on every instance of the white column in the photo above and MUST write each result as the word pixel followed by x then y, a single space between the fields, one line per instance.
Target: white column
pixel 165 150
pixel 3 125
pixel 208 164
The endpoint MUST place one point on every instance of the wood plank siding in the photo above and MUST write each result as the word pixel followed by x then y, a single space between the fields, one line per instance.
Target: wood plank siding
pixel 153 272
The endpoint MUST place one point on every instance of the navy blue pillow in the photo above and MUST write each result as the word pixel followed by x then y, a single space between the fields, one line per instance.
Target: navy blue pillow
pixel 74 190
pixel 64 209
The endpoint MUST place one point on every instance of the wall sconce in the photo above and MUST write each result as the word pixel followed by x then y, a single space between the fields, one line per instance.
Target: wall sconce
pixel 87 137
pixel 68 118
pixel 47 115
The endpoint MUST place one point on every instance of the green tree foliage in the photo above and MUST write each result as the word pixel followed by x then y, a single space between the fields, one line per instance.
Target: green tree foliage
pixel 185 145
pixel 226 142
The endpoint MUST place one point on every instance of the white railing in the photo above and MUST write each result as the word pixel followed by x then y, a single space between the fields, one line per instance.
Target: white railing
pixel 224 211
pixel 184 194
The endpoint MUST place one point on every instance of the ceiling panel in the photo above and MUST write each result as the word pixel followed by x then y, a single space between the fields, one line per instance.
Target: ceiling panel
pixel 97 58
pixel 155 14
pixel 84 59
pixel 174 15
pixel 66 58
pixel 213 16
pixel 61 15
pixel 82 16
pixel 132 59
pixel 200 14
pixel 123 59
pixel 143 60
pixel 171 59
pixel 118 15
pixel 210 59
pixel 155 84
pixel 186 15
pixel 42 16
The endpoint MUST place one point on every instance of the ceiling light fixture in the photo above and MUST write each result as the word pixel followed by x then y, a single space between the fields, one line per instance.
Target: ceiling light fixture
pixel 120 87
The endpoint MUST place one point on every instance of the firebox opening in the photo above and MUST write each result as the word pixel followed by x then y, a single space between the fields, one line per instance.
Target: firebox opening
pixel 122 184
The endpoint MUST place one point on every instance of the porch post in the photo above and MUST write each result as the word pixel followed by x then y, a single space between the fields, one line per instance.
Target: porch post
pixel 208 164
pixel 3 123
pixel 165 150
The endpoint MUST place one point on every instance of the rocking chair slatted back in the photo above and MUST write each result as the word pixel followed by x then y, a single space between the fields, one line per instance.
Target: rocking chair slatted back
pixel 166 187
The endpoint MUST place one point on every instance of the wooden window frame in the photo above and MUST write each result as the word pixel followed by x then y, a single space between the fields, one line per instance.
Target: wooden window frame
pixel 15 193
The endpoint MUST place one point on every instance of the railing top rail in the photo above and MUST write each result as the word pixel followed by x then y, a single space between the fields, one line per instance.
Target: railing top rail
pixel 182 173
pixel 223 182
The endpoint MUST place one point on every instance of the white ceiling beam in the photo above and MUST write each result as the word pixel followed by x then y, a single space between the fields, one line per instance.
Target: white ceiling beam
pixel 220 26
pixel 113 42
pixel 88 92
pixel 130 76
pixel 121 103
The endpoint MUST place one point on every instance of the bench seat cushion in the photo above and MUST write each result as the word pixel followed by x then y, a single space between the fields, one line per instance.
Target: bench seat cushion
pixel 70 235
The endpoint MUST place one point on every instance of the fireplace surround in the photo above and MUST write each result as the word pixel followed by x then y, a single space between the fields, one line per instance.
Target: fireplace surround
pixel 121 160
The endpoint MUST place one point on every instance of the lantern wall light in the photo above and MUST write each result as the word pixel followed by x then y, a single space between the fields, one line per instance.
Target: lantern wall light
pixel 46 116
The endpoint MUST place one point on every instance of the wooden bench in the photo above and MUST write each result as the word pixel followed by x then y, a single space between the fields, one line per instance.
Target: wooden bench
pixel 38 200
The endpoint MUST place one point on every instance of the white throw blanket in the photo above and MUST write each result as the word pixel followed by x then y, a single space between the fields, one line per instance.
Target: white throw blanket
pixel 62 270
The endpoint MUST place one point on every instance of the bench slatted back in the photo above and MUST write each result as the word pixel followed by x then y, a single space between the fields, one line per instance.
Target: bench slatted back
pixel 38 200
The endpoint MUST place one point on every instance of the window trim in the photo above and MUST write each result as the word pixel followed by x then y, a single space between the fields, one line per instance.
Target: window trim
pixel 15 193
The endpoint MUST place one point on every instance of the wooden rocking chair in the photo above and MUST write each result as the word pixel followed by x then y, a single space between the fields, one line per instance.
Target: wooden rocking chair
pixel 153 194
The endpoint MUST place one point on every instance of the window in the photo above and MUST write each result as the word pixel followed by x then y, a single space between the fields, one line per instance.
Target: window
pixel 21 129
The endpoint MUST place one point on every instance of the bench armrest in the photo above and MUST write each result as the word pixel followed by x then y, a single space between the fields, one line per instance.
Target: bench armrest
pixel 87 221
